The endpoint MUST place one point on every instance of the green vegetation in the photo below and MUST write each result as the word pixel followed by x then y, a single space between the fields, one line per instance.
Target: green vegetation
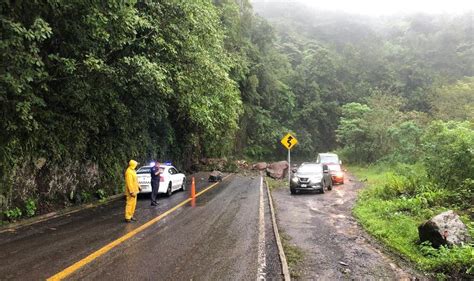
pixel 13 214
pixel 275 184
pixel 101 194
pixel 421 170
pixel 30 208
pixel 397 200
pixel 423 167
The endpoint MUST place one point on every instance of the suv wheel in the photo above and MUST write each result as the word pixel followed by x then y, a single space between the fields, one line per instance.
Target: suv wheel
pixel 169 191
pixel 292 190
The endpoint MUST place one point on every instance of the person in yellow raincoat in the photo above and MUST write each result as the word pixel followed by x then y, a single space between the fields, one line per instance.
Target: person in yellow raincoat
pixel 131 190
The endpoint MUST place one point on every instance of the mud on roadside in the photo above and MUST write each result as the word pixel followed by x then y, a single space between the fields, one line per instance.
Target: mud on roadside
pixel 334 246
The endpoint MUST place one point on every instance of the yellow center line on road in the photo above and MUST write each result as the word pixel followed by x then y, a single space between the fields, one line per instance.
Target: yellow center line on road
pixel 76 266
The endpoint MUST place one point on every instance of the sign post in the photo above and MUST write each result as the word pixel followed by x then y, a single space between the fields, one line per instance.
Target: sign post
pixel 289 168
pixel 289 141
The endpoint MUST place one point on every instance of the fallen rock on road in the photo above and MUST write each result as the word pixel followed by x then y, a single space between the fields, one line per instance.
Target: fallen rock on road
pixel 277 170
pixel 260 166
pixel 215 176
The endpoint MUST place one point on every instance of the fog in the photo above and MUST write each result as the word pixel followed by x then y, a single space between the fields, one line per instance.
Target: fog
pixel 380 8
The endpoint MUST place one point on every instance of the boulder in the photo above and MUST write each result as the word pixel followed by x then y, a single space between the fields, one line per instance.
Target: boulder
pixel 215 176
pixel 277 170
pixel 260 166
pixel 444 229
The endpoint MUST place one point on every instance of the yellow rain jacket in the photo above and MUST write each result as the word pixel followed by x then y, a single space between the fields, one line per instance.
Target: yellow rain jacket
pixel 131 189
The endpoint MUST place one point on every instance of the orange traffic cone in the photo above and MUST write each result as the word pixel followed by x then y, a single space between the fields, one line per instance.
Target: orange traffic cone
pixel 193 189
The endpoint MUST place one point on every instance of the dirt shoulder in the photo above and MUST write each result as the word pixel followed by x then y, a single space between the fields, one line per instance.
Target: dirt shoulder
pixel 334 246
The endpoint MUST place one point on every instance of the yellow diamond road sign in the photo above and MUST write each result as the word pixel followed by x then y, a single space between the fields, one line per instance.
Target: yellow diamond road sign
pixel 289 141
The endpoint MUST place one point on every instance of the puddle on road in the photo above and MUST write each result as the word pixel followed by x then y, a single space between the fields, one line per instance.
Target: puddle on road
pixel 340 192
pixel 339 216
pixel 339 202
pixel 315 209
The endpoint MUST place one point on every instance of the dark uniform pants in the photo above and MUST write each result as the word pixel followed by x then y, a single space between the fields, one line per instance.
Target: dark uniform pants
pixel 154 190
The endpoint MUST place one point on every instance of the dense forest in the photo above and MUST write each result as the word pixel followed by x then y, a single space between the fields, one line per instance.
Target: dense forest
pixel 87 85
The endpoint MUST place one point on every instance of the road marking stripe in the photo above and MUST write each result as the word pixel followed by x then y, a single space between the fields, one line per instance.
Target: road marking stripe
pixel 76 266
pixel 261 236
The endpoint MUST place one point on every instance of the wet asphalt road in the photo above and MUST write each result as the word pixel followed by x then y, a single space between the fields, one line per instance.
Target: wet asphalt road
pixel 334 246
pixel 217 239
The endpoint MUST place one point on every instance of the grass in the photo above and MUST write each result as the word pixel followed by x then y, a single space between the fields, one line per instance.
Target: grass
pixel 294 255
pixel 275 184
pixel 391 210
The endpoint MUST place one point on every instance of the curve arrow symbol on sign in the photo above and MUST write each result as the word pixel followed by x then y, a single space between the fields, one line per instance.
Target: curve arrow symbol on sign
pixel 290 138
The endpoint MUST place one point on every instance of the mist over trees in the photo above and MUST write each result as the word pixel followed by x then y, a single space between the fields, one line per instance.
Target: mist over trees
pixel 339 58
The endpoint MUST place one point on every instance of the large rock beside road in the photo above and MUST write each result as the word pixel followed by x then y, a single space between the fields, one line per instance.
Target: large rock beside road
pixel 277 170
pixel 444 229
pixel 260 166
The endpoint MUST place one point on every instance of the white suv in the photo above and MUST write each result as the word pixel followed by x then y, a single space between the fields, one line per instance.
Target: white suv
pixel 170 180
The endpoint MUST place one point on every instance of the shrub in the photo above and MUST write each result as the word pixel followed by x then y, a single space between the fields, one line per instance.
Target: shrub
pixel 101 194
pixel 449 154
pixel 85 196
pixel 30 207
pixel 13 214
pixel 406 139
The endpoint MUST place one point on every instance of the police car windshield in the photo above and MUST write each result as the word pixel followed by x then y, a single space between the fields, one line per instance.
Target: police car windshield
pixel 144 170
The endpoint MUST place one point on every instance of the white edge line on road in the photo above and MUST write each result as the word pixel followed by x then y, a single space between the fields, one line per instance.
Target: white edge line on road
pixel 261 236
pixel 284 263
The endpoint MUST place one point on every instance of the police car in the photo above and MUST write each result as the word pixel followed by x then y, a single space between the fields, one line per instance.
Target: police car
pixel 170 180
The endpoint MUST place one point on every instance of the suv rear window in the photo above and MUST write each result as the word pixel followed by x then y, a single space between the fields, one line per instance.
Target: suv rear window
pixel 336 168
pixel 329 159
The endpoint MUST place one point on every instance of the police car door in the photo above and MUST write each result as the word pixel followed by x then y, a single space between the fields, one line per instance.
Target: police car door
pixel 176 182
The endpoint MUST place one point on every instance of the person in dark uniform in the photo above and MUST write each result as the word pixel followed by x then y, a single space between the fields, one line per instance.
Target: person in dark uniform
pixel 155 182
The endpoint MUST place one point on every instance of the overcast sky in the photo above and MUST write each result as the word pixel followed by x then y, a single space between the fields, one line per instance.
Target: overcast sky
pixel 387 7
